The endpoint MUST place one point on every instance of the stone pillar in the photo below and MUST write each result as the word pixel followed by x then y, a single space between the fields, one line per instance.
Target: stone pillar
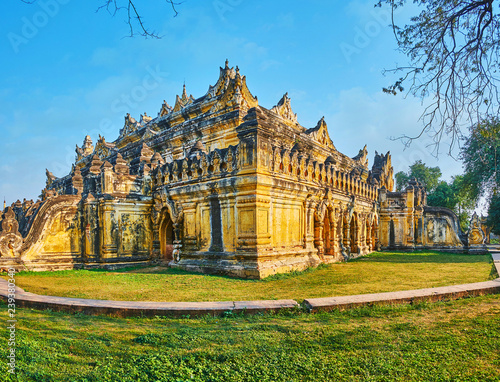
pixel 318 237
pixel 108 231
pixel 346 236
pixel 309 233
pixel 107 178
pixel 90 230
pixel 156 216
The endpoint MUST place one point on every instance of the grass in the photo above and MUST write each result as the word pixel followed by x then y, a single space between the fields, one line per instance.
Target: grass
pixel 453 341
pixel 377 272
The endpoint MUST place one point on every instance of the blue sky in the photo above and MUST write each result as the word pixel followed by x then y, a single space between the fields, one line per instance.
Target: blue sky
pixel 68 71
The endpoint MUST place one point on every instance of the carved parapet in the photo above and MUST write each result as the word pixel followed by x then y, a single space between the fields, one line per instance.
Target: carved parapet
pixel 47 194
pixel 48 209
pixel 107 178
pixel 121 166
pixel 10 239
pixel 77 181
pixel 95 165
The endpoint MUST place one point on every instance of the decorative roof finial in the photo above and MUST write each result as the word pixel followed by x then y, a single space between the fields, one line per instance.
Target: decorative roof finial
pixel 227 63
pixel 4 204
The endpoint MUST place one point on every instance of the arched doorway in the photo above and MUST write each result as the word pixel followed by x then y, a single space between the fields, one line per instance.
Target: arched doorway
pixel 166 237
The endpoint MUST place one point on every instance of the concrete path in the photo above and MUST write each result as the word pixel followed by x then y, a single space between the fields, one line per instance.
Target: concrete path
pixel 191 309
pixel 142 308
pixel 410 296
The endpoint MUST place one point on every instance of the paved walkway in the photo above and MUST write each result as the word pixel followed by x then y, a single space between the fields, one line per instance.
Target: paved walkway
pixel 178 309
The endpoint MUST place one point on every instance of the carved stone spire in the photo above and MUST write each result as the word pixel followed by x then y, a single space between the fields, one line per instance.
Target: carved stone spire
pixel 130 126
pixel 50 177
pixel 182 102
pixel 95 165
pixel 165 109
pixel 362 157
pixel 284 109
pixel 121 166
pixel 320 134
pixel 86 149
pixel 145 119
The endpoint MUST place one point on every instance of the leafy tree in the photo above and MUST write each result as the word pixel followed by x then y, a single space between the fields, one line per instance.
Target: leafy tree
pixel 493 219
pixel 453 50
pixel 402 179
pixel 443 196
pixel 133 16
pixel 466 199
pixel 458 195
pixel 480 155
pixel 428 176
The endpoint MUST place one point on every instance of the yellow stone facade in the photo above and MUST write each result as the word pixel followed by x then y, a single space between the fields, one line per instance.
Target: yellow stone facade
pixel 220 184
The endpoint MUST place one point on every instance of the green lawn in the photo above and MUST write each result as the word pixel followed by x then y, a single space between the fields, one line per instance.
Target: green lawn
pixel 453 341
pixel 377 272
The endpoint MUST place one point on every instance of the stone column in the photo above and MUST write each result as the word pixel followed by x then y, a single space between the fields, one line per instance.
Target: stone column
pixel 309 233
pixel 318 238
pixel 108 228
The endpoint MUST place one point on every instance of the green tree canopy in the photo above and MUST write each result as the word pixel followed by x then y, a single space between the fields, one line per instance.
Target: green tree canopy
pixel 458 195
pixel 443 196
pixel 428 176
pixel 493 219
pixel 480 155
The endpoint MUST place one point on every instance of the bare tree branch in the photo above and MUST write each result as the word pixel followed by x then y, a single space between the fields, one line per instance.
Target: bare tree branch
pixel 453 48
pixel 134 18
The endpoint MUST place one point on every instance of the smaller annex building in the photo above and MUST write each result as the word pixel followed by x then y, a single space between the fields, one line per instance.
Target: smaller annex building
pixel 220 184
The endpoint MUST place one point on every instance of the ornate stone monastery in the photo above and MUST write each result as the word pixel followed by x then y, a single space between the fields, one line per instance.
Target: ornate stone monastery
pixel 220 184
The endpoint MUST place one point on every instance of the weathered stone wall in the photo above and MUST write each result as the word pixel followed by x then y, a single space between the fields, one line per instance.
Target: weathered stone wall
pixel 54 238
pixel 406 223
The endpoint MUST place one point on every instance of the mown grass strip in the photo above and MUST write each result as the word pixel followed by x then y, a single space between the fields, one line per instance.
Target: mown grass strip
pixel 375 273
pixel 451 341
